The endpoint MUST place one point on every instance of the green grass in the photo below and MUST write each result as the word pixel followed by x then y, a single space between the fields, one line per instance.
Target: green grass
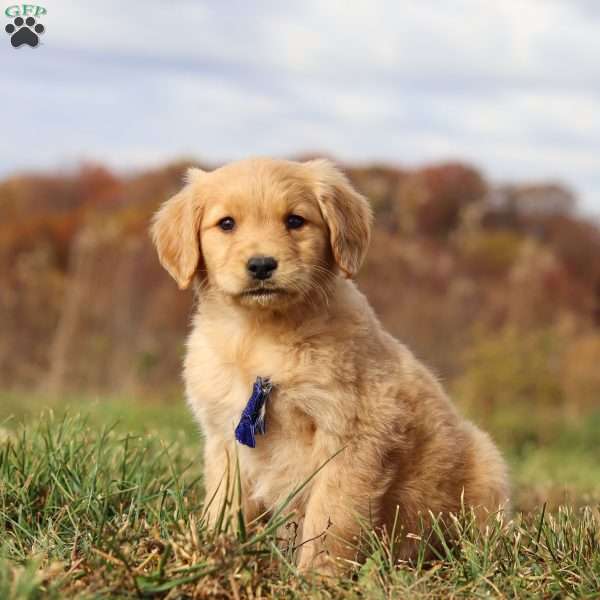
pixel 111 503
pixel 169 418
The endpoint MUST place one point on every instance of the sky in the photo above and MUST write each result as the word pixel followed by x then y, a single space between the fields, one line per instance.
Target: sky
pixel 512 87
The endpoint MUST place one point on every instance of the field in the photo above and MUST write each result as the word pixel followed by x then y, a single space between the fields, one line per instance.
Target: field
pixel 495 286
pixel 103 496
pixel 469 128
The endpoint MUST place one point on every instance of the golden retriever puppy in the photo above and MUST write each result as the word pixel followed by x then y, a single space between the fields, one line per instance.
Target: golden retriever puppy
pixel 273 245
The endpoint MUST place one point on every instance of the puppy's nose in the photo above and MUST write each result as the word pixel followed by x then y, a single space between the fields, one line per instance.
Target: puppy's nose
pixel 261 267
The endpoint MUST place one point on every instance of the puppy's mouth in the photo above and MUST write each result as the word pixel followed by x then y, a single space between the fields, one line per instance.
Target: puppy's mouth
pixel 263 293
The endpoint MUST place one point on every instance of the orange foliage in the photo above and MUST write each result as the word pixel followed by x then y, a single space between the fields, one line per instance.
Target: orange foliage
pixel 85 304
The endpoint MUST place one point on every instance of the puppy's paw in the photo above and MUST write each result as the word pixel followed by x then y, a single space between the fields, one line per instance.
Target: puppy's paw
pixel 319 566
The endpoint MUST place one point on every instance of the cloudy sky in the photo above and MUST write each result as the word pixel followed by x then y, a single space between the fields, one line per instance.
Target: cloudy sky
pixel 512 86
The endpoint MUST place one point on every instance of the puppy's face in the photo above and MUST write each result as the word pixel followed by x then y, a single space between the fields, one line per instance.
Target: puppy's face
pixel 264 233
pixel 264 240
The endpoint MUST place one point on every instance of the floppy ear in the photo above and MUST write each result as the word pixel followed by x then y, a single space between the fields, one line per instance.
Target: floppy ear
pixel 174 232
pixel 347 214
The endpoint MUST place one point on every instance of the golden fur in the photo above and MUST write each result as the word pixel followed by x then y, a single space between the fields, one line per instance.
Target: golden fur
pixel 340 381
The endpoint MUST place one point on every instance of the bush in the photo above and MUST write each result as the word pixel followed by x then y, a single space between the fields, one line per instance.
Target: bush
pixel 509 376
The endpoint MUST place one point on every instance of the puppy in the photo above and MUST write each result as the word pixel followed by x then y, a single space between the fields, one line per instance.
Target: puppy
pixel 273 245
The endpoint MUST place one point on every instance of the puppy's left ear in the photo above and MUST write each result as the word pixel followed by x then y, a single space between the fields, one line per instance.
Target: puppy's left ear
pixel 347 214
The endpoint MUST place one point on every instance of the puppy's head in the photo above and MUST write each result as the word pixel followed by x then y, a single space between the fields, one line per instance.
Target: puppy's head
pixel 264 233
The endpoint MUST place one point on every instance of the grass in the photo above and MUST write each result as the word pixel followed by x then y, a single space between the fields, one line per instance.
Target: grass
pixel 90 508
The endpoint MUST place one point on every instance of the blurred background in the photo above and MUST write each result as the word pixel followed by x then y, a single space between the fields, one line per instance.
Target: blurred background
pixel 473 128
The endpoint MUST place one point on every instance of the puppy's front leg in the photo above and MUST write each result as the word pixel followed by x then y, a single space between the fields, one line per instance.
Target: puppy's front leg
pixel 344 493
pixel 223 493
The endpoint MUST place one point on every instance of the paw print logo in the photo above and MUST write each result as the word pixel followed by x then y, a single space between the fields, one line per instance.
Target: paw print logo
pixel 24 31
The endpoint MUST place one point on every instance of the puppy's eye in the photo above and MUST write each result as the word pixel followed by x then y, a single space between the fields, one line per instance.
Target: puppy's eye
pixel 294 221
pixel 226 223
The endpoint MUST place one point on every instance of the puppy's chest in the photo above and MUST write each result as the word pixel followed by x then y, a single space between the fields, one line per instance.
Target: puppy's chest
pixel 220 375
pixel 306 413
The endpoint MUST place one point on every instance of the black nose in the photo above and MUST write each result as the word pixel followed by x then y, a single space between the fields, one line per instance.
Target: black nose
pixel 261 267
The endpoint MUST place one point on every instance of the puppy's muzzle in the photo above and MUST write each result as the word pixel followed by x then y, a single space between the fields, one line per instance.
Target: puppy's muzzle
pixel 261 267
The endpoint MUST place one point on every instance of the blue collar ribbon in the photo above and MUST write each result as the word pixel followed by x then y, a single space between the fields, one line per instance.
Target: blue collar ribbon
pixel 252 420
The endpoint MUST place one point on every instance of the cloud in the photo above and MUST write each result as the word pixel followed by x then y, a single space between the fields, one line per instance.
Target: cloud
pixel 513 87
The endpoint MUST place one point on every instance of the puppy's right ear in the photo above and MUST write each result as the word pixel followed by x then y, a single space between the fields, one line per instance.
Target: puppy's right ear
pixel 175 229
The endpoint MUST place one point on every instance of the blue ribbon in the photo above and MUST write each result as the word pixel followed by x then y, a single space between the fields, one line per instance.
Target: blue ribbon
pixel 252 420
